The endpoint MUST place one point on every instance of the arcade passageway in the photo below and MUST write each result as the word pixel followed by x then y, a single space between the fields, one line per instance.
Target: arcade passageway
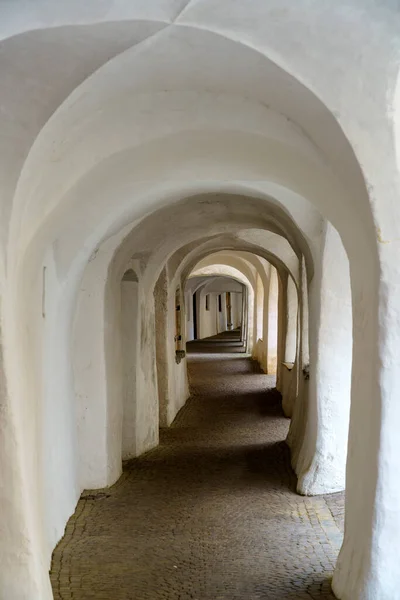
pixel 211 513
pixel 170 171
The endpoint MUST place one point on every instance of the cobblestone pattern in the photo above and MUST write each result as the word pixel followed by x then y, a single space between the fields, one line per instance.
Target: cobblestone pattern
pixel 211 514
pixel 335 503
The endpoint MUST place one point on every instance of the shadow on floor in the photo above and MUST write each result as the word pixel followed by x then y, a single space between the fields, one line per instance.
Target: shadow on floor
pixel 211 513
pixel 226 342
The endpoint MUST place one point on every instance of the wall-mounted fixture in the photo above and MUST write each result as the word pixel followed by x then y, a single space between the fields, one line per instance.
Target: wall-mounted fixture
pixel 179 355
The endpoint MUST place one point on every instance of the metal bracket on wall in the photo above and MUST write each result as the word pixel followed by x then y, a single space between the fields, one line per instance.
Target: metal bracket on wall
pixel 179 355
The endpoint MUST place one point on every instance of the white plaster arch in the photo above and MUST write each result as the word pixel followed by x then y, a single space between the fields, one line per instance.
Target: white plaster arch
pixel 235 268
pixel 214 248
pixel 214 262
pixel 239 79
pixel 144 242
pixel 240 244
pixel 250 266
pixel 252 253
pixel 212 304
pixel 154 440
pixel 113 244
pixel 375 292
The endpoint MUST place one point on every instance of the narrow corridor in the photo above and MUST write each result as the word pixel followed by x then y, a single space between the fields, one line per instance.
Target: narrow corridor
pixel 211 514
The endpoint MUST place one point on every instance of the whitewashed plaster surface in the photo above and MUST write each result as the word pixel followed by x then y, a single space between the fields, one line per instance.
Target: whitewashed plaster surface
pixel 207 318
pixel 159 102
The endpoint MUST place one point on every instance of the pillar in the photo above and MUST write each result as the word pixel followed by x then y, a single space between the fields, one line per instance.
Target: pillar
pixel 273 322
pixel 368 564
pixel 322 463
pixel 291 358
pixel 161 308
pixel 129 342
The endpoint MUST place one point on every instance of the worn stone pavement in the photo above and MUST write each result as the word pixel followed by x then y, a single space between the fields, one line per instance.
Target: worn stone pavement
pixel 212 513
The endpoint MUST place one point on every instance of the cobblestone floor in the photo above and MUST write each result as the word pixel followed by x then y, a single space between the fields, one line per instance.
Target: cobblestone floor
pixel 211 514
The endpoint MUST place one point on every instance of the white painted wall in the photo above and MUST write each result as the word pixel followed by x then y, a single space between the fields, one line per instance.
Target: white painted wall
pixel 163 346
pixel 273 322
pixel 89 370
pixel 290 372
pixel 291 326
pixel 214 321
pixel 205 267
pixel 173 389
pixel 259 309
pixel 260 349
pixel 236 301
pixel 321 462
pixel 207 320
pixel 77 137
pixel 130 343
pixel 189 315
pixel 178 388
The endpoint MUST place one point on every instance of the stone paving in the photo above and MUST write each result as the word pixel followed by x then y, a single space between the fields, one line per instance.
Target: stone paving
pixel 212 513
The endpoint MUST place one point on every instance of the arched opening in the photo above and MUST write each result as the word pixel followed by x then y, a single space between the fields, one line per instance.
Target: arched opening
pixel 160 168
pixel 219 301
pixel 159 325
pixel 206 261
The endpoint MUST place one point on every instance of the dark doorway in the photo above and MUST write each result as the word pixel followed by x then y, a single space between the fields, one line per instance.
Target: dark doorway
pixel 228 311
pixel 194 317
